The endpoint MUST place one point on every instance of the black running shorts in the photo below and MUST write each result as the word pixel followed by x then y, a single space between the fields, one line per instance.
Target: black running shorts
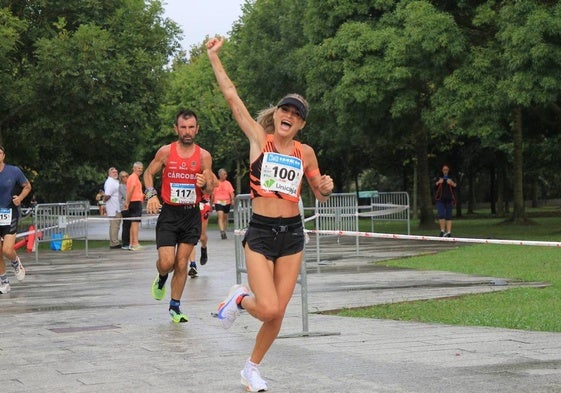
pixel 225 208
pixel 275 237
pixel 178 224
pixel 10 229
pixel 135 210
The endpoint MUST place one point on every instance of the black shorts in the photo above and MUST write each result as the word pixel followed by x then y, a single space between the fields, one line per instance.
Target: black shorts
pixel 225 208
pixel 135 210
pixel 275 237
pixel 178 224
pixel 11 229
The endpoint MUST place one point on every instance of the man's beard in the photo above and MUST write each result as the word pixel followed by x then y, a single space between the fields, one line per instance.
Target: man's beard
pixel 187 140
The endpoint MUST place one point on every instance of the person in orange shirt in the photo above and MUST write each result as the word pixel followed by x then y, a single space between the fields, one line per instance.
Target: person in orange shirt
pixel 133 204
pixel 222 198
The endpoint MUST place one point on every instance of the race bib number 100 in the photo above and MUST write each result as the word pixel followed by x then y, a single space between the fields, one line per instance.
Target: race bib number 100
pixel 183 194
pixel 5 216
pixel 281 173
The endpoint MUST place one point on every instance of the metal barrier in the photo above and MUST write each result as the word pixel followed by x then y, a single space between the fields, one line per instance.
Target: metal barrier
pixel 53 220
pixel 338 213
pixel 242 215
pixel 388 206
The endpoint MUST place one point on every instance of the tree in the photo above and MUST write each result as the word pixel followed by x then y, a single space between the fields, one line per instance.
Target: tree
pixel 96 72
pixel 192 85
pixel 13 91
pixel 379 70
pixel 513 68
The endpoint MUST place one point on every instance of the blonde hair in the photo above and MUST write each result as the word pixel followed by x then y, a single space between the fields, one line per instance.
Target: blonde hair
pixel 265 116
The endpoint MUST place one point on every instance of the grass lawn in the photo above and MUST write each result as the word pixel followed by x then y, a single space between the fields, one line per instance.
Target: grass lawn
pixel 517 308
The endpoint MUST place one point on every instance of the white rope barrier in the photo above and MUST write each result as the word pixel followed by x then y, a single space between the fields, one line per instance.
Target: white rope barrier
pixel 436 238
pixel 144 217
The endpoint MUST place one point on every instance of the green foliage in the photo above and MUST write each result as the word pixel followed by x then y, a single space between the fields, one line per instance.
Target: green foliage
pixel 192 85
pixel 395 87
pixel 94 72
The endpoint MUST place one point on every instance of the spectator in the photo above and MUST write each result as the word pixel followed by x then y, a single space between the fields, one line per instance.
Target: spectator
pixel 445 197
pixel 133 204
pixel 113 206
pixel 125 235
pixel 100 201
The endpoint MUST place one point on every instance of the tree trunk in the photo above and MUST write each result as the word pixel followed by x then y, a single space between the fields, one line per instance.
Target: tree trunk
pixel 492 189
pixel 426 215
pixel 415 191
pixel 459 195
pixel 518 213
pixel 501 191
pixel 535 188
pixel 471 194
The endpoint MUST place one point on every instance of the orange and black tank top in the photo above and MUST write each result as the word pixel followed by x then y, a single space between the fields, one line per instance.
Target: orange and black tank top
pixel 275 175
pixel 179 178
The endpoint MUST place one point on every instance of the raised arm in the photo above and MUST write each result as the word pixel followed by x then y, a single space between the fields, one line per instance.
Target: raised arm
pixel 249 126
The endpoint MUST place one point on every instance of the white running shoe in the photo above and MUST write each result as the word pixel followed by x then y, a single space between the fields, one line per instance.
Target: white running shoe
pixel 20 271
pixel 252 380
pixel 228 310
pixel 4 287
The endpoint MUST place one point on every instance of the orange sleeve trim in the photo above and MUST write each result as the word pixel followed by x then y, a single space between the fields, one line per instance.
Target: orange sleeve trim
pixel 313 172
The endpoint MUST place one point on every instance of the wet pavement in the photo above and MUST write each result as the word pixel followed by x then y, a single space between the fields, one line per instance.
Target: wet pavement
pixel 82 323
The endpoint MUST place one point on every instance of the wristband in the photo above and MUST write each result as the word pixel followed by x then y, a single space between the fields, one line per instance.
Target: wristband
pixel 325 195
pixel 150 192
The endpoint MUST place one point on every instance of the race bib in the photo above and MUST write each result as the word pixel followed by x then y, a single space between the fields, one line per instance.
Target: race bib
pixel 183 194
pixel 5 216
pixel 281 173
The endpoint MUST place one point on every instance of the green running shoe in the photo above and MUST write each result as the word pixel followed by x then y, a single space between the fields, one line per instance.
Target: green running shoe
pixel 157 292
pixel 178 317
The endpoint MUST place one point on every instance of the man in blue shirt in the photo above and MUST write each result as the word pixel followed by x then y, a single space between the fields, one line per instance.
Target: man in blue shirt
pixel 11 177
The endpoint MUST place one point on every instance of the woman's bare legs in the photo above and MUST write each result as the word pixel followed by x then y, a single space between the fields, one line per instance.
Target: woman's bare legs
pixel 272 285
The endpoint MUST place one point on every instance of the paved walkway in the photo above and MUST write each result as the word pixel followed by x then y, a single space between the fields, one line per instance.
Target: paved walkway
pixel 88 324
